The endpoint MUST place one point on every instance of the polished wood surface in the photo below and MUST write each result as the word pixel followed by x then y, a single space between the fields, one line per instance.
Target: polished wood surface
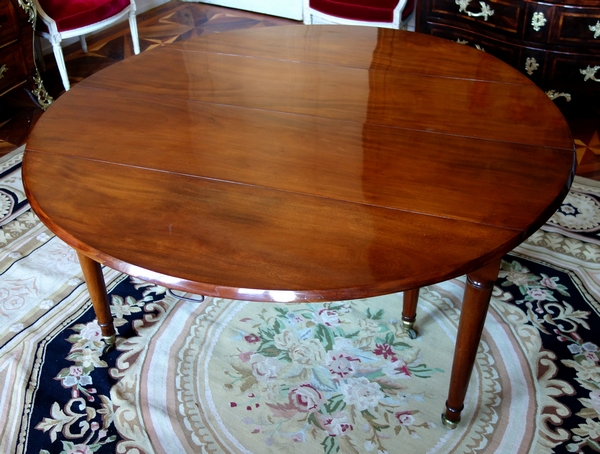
pixel 304 164
pixel 283 143
pixel 176 21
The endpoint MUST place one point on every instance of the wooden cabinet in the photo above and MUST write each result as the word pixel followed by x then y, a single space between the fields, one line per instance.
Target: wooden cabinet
pixel 555 43
pixel 17 66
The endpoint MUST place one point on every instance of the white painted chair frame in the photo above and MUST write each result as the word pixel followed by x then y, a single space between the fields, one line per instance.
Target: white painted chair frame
pixel 55 37
pixel 312 16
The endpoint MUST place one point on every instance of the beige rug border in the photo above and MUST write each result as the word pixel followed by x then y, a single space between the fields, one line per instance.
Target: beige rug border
pixel 12 154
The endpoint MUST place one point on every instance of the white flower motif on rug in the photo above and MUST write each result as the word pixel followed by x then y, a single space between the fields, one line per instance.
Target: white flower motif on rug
pixel 578 212
pixel 253 377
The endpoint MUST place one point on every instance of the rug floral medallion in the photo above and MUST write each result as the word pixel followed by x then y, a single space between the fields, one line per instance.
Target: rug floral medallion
pixel 222 376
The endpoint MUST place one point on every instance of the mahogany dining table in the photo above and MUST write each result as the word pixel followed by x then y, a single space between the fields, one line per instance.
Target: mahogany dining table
pixel 303 163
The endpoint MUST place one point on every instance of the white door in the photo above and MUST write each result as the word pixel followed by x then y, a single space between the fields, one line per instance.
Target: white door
pixel 291 9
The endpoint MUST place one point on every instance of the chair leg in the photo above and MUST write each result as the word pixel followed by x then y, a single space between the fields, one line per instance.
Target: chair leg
pixel 83 44
pixel 60 63
pixel 134 33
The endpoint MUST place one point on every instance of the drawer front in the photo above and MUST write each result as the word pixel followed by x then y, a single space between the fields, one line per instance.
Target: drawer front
pixel 9 26
pixel 580 73
pixel 576 26
pixel 12 67
pixel 502 50
pixel 561 25
pixel 489 14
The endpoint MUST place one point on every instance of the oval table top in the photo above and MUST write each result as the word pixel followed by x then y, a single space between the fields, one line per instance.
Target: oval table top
pixel 300 163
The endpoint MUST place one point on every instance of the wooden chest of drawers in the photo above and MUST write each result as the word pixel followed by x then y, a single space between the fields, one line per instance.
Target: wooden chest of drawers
pixel 555 43
pixel 17 66
pixel 16 52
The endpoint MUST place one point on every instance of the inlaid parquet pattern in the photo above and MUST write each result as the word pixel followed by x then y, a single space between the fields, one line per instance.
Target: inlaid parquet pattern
pixel 587 144
pixel 178 21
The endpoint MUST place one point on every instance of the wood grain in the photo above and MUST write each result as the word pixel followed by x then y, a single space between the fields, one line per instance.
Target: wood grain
pixel 390 98
pixel 229 235
pixel 379 49
pixel 364 163
pixel 323 169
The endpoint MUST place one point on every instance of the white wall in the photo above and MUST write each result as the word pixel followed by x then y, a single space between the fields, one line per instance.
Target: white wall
pixel 291 9
pixel 145 5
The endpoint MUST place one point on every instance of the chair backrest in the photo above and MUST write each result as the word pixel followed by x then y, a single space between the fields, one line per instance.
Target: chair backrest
pixel 381 11
pixel 71 15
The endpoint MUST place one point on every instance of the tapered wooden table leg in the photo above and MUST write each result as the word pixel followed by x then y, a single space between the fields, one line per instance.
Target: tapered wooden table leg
pixel 472 318
pixel 92 272
pixel 409 311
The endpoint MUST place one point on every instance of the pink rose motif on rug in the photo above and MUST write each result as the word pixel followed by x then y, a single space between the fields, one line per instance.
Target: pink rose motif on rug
pixel 324 375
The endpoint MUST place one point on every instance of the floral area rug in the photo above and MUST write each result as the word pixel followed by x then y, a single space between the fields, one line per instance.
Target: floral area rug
pixel 222 376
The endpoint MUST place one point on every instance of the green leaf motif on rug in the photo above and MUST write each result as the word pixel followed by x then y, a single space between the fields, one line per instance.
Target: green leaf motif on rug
pixel 334 372
pixel 326 337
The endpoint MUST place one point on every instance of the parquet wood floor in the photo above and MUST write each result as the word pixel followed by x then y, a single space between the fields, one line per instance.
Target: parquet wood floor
pixel 176 21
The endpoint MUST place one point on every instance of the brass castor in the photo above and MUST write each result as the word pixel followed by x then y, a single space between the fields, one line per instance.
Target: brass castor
pixel 109 343
pixel 408 327
pixel 449 424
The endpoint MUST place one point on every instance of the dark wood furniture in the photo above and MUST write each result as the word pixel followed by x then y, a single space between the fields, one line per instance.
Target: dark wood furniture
pixel 17 65
pixel 303 164
pixel 16 47
pixel 555 43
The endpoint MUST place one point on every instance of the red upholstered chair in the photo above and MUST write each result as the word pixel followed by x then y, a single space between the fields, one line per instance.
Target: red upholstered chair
pixel 375 13
pixel 63 19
